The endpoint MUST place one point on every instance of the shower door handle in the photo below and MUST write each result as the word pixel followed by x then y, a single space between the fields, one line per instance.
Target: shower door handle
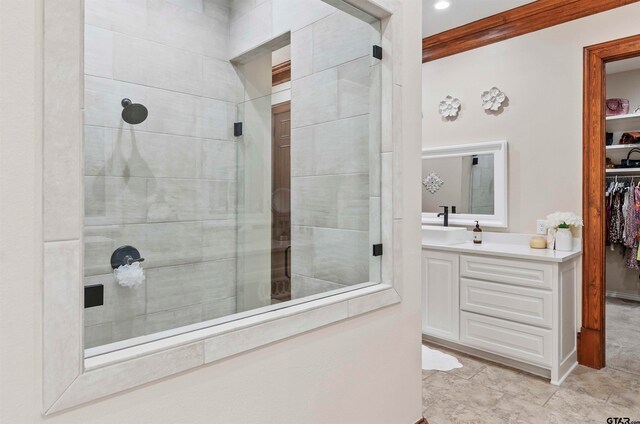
pixel 286 262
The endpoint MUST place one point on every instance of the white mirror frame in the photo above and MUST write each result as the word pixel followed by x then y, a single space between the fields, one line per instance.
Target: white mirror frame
pixel 500 177
pixel 69 379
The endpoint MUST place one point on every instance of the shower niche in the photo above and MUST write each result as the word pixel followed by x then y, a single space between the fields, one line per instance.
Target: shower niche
pixel 229 223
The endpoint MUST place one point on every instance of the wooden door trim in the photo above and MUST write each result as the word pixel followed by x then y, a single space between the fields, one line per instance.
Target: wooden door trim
pixel 512 23
pixel 591 343
pixel 281 73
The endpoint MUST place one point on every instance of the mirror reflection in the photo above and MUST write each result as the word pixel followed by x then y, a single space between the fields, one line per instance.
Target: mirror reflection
pixel 466 182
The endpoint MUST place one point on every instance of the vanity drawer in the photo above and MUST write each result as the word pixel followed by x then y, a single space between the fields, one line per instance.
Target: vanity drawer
pixel 521 273
pixel 506 338
pixel 522 304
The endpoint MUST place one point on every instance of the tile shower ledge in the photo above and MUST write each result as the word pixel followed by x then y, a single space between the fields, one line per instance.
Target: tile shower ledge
pixel 506 250
pixel 247 333
pixel 128 368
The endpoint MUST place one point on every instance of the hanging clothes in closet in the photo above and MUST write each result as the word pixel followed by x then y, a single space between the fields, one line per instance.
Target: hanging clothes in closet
pixel 623 219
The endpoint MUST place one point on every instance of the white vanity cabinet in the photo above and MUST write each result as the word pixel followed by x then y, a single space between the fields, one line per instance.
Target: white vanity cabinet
pixel 517 309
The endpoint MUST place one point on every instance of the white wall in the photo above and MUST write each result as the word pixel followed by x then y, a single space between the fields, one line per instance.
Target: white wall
pixel 541 73
pixel 365 370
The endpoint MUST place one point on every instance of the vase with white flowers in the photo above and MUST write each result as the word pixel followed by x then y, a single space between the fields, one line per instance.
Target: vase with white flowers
pixel 560 224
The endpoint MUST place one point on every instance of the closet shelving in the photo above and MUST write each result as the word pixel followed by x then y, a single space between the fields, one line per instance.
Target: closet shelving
pixel 621 123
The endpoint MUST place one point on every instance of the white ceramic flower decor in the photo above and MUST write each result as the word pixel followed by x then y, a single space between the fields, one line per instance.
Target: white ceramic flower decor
pixel 492 99
pixel 449 107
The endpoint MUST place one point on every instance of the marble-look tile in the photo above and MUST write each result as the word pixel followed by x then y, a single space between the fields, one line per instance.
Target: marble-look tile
pixel 124 16
pixel 469 392
pixel 120 303
pixel 125 375
pixel 219 160
pixel 251 337
pixel 186 27
pixel 98 51
pixel 61 124
pixel 222 81
pixel 580 406
pixel 171 319
pixel 189 200
pixel 143 154
pixel 301 53
pixel 354 82
pixel 250 30
pixel 102 101
pixel 156 65
pixel 161 244
pixel 316 98
pixel 97 335
pixel 61 326
pixel 335 255
pixel 291 15
pixel 217 308
pixel 333 201
pixel 339 38
pixel 114 200
pixel 598 385
pixel 219 239
pixel 448 411
pixel 98 151
pixel 375 237
pixel 184 285
pixel 511 409
pixel 386 215
pixel 303 286
pixel 510 381
pixel 184 114
pixel 625 360
pixel 372 302
pixel 336 147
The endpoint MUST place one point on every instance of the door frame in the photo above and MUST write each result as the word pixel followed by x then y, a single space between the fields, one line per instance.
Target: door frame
pixel 591 339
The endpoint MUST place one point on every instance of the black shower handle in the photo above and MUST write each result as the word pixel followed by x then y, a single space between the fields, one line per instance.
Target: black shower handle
pixel 286 262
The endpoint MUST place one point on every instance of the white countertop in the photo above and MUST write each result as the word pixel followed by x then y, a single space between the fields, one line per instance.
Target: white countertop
pixel 506 245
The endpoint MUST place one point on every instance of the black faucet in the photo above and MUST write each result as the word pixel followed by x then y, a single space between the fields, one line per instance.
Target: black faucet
pixel 445 214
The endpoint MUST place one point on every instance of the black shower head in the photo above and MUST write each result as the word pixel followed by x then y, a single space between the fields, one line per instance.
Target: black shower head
pixel 133 113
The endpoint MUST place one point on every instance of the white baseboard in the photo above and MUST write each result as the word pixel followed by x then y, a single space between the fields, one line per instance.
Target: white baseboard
pixel 626 296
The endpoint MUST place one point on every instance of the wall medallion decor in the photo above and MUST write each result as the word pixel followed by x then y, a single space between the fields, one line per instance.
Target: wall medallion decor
pixel 450 107
pixel 492 100
pixel 432 182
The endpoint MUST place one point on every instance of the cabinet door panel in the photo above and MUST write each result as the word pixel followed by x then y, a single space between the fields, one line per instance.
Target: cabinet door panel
pixel 522 304
pixel 506 338
pixel 510 271
pixel 440 294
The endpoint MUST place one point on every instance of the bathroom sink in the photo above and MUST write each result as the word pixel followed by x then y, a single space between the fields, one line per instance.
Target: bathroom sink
pixel 443 235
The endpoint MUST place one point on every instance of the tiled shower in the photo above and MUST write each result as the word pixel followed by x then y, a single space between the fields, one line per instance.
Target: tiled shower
pixel 194 198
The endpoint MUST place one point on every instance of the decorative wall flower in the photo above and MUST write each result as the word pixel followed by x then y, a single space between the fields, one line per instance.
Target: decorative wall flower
pixel 432 182
pixel 449 107
pixel 492 99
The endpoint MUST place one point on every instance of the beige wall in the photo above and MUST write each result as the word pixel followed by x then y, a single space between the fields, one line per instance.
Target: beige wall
pixel 541 73
pixel 365 370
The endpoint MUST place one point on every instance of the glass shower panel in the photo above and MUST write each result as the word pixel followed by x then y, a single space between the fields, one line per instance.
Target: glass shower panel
pixel 211 195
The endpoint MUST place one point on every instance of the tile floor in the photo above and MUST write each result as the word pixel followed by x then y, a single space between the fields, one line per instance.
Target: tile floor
pixel 484 392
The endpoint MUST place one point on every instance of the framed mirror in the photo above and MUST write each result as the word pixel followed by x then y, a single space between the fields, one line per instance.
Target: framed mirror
pixel 470 179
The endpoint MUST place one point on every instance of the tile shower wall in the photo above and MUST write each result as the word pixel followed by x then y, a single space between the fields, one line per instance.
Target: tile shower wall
pixel 331 96
pixel 167 186
pixel 332 77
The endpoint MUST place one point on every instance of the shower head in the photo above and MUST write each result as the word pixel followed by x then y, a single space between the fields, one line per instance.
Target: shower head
pixel 133 113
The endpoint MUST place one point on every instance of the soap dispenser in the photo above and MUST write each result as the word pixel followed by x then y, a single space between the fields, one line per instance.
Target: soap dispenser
pixel 477 234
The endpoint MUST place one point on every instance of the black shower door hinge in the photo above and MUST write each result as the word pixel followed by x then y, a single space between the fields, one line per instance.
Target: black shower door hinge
pixel 237 129
pixel 377 250
pixel 377 52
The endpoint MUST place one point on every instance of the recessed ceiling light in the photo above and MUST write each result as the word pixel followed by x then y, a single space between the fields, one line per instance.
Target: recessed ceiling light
pixel 442 4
